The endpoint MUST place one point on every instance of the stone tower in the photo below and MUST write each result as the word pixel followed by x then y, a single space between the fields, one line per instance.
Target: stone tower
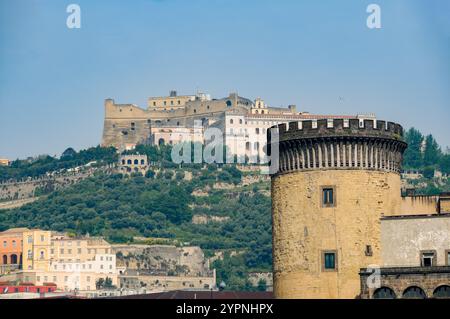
pixel 336 178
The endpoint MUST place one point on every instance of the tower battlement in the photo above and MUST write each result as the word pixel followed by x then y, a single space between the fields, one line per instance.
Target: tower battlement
pixel 340 144
pixel 339 128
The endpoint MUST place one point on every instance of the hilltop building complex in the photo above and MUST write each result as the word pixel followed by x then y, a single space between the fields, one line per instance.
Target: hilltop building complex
pixel 173 119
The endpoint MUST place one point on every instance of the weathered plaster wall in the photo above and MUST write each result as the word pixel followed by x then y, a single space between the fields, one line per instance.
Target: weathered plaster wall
pixel 402 239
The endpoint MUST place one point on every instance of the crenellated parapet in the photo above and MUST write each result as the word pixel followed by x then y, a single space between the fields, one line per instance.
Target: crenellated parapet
pixel 340 144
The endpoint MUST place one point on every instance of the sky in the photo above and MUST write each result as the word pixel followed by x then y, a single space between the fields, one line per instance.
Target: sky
pixel 319 55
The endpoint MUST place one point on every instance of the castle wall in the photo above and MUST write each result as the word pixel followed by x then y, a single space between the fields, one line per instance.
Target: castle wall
pixel 418 204
pixel 303 229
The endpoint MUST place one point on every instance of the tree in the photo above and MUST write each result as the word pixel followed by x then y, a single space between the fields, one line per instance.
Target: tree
pixel 432 152
pixel 100 283
pixel 413 154
pixel 262 285
pixel 444 164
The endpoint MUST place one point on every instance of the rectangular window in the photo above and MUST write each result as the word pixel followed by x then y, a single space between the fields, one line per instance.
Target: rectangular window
pixel 329 260
pixel 427 258
pixel 447 254
pixel 328 196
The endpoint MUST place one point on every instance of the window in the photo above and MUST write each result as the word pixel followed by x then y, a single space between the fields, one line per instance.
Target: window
pixel 257 130
pixel 30 239
pixel 62 251
pixel 369 251
pixel 41 256
pixel 231 121
pixel 328 196
pixel 329 260
pixel 30 254
pixel 79 250
pixel 69 251
pixel 42 238
pixel 4 243
pixel 427 258
pixel 447 257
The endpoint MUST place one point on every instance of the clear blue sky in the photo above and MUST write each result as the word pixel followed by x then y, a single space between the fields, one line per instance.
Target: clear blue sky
pixel 53 80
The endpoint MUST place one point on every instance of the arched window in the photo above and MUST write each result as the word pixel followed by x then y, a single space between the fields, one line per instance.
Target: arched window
pixel 5 260
pixel 142 162
pixel 231 121
pixel 136 162
pixel 161 141
pixel 414 292
pixel 228 103
pixel 41 255
pixel 384 293
pixel 442 292
pixel 13 259
pixel 129 162
pixel 240 121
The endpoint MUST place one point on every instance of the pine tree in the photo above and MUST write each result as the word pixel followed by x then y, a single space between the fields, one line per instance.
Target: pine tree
pixel 413 156
pixel 432 152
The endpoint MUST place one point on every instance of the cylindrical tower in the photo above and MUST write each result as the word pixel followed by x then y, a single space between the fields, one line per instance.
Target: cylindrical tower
pixel 336 178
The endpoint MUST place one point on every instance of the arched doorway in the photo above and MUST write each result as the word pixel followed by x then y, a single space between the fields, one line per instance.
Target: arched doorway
pixel 13 259
pixel 414 293
pixel 442 292
pixel 5 260
pixel 384 293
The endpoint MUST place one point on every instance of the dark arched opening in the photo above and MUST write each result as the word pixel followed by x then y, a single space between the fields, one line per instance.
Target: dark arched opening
pixel 384 293
pixel 414 293
pixel 442 292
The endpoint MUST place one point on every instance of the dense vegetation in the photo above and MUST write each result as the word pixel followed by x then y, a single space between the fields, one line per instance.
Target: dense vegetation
pixel 36 167
pixel 160 205
pixel 425 156
pixel 423 153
